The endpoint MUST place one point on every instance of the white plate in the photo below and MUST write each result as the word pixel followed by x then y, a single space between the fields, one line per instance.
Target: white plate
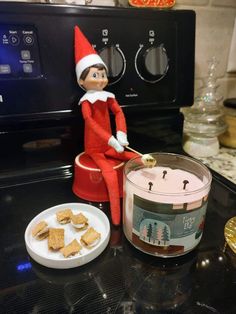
pixel 39 251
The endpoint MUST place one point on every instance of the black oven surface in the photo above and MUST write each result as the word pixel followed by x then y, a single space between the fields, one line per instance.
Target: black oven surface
pixel 122 279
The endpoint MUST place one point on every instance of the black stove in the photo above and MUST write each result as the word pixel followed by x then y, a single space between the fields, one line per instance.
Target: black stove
pixel 42 132
pixel 121 279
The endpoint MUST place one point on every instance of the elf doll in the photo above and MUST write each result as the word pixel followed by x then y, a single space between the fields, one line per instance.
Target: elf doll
pixel 96 106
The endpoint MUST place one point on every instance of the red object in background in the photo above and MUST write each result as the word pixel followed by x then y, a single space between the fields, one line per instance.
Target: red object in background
pixel 88 180
pixel 152 3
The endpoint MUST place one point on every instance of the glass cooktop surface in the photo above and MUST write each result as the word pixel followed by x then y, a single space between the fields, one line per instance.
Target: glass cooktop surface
pixel 121 279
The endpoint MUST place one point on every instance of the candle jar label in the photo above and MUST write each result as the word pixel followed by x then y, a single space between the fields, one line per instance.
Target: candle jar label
pixel 167 229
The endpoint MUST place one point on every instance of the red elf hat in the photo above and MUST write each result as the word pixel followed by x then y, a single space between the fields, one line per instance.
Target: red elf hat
pixel 85 55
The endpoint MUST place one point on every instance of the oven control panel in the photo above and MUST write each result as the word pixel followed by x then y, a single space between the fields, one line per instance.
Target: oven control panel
pixel 143 64
pixel 149 55
pixel 150 59
pixel 19 56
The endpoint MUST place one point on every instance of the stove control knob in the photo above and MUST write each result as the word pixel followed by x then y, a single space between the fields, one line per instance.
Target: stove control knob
pixel 151 64
pixel 114 58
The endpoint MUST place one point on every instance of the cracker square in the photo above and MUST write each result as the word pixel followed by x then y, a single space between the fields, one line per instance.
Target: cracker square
pixel 90 238
pixel 79 221
pixel 64 216
pixel 40 231
pixel 71 249
pixel 56 238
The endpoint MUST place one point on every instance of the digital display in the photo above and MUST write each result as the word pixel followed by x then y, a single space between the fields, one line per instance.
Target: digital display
pixel 19 52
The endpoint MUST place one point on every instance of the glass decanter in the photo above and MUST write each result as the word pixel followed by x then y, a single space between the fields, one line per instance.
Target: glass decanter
pixel 203 122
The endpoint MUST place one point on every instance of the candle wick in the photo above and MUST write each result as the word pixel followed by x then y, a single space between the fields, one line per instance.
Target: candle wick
pixel 150 185
pixel 164 174
pixel 185 182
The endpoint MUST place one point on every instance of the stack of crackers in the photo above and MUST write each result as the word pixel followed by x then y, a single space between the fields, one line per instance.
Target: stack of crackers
pixel 56 236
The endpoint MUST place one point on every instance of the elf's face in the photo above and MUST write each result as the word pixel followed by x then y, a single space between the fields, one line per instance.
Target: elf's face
pixel 95 80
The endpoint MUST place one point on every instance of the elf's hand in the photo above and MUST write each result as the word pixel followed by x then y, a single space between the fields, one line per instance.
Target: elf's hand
pixel 115 144
pixel 122 138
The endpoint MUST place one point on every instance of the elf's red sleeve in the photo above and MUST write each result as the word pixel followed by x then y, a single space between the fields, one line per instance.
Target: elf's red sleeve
pixel 119 115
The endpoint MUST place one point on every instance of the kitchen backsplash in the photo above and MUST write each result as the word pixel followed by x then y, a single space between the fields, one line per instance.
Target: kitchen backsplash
pixel 214 28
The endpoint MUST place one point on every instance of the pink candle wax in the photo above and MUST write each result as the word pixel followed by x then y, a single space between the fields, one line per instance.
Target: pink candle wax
pixel 170 189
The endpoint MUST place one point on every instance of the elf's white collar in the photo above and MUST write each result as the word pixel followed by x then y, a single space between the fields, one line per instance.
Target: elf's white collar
pixel 93 95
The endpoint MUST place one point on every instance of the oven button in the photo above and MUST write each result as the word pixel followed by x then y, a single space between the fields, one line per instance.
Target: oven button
pixel 151 64
pixel 29 40
pixel 14 40
pixel 114 58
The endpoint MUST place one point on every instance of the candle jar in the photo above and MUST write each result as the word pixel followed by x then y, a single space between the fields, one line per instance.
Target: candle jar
pixel 165 206
pixel 203 123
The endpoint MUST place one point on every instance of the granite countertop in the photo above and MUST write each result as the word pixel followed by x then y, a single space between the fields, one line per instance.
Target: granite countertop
pixel 224 163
